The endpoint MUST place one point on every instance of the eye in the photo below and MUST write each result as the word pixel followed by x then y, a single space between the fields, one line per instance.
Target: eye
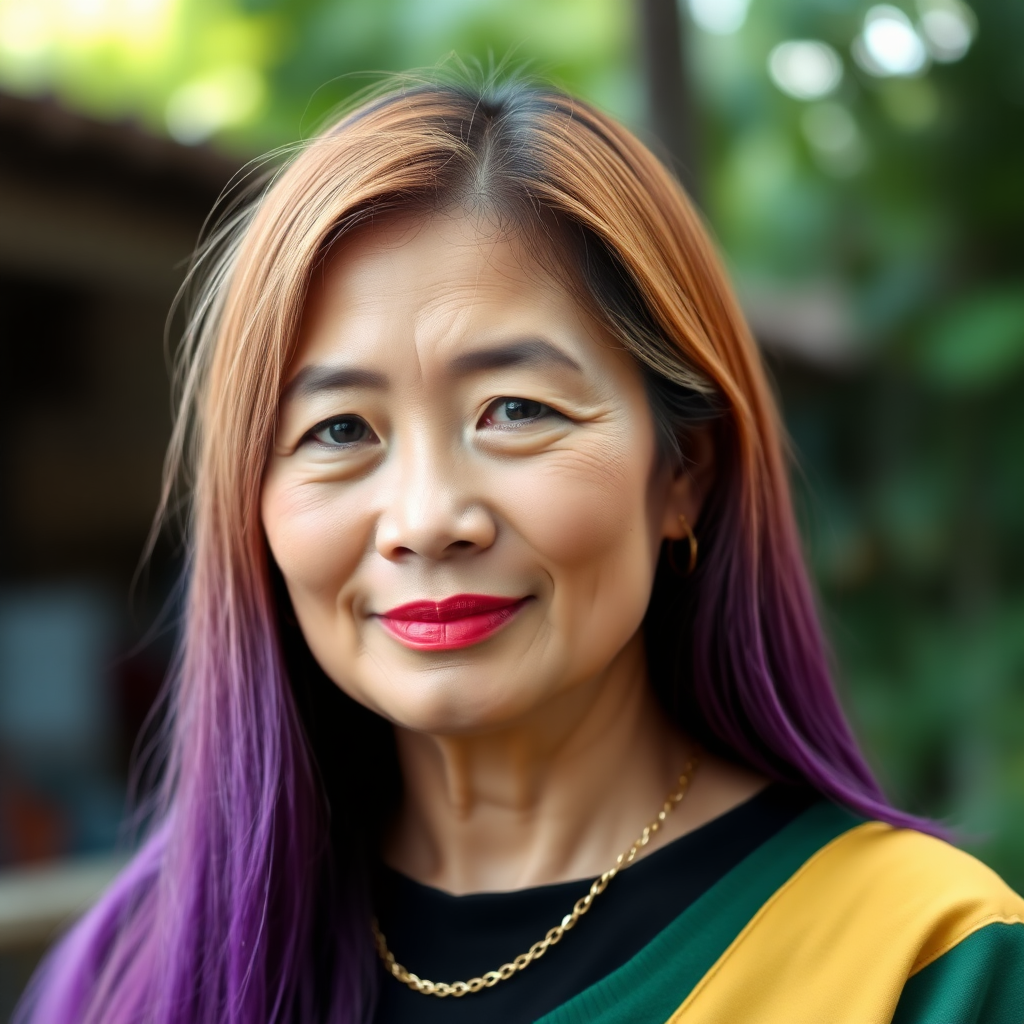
pixel 504 411
pixel 342 432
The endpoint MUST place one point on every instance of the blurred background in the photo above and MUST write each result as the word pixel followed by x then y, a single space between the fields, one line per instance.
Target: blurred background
pixel 862 166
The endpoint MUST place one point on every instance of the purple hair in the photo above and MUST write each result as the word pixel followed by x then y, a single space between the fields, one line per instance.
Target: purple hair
pixel 248 901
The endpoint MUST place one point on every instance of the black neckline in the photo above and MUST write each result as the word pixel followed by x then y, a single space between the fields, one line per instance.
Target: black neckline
pixel 447 937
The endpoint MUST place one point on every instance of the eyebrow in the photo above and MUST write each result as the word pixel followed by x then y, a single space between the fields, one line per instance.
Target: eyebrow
pixel 312 380
pixel 516 353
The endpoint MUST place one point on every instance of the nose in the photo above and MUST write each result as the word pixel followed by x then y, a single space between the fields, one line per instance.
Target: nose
pixel 432 509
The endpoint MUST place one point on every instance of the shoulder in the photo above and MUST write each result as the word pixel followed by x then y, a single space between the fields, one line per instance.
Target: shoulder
pixel 911 881
pixel 871 919
pixel 956 927
pixel 919 895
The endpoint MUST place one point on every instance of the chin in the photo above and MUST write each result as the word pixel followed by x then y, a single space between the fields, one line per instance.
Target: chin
pixel 437 704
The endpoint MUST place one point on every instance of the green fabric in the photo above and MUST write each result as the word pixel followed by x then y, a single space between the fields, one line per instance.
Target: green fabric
pixel 649 988
pixel 979 981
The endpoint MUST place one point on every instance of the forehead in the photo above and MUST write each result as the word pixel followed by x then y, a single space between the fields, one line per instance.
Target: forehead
pixel 420 254
pixel 440 281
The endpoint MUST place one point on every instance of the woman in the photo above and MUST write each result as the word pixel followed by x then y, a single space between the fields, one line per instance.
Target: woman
pixel 492 549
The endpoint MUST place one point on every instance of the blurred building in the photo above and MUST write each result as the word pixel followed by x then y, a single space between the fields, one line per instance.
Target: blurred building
pixel 97 222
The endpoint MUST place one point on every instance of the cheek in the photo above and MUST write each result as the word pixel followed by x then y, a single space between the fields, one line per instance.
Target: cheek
pixel 586 516
pixel 316 537
pixel 585 505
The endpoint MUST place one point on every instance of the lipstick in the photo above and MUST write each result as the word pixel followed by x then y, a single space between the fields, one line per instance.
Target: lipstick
pixel 458 621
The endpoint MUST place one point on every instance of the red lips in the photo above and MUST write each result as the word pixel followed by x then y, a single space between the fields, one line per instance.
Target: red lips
pixel 458 621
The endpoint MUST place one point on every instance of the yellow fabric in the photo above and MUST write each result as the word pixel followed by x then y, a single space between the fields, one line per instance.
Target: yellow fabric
pixel 837 942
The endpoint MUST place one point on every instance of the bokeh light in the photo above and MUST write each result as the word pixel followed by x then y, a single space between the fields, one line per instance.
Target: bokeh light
pixel 835 139
pixel 205 105
pixel 805 69
pixel 889 44
pixel 719 17
pixel 948 27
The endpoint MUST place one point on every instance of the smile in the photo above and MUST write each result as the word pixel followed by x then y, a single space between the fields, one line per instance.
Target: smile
pixel 459 621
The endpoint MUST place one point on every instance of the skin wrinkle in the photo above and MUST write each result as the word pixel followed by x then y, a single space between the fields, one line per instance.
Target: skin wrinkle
pixel 540 753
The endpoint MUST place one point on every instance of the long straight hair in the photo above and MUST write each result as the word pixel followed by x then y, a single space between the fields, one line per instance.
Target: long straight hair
pixel 248 901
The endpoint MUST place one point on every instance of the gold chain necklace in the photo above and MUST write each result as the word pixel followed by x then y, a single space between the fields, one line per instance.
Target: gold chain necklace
pixel 538 949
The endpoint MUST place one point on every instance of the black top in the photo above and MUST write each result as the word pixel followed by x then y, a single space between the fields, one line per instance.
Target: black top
pixel 451 938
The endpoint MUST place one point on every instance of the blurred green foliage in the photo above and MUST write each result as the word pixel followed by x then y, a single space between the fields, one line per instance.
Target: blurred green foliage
pixel 256 73
pixel 910 429
pixel 874 229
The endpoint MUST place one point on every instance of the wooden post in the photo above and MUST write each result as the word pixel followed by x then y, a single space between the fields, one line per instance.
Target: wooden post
pixel 669 98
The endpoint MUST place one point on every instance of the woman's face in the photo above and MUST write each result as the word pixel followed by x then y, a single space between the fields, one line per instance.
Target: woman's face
pixel 465 497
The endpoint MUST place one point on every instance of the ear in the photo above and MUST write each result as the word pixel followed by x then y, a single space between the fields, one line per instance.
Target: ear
pixel 691 480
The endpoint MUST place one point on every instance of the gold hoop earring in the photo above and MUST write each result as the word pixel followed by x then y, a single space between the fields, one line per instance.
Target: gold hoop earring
pixel 693 549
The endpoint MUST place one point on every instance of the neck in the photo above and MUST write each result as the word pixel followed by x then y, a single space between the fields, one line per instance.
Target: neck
pixel 554 796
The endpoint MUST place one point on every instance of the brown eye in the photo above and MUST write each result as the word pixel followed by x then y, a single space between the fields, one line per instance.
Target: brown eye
pixel 515 410
pixel 343 431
